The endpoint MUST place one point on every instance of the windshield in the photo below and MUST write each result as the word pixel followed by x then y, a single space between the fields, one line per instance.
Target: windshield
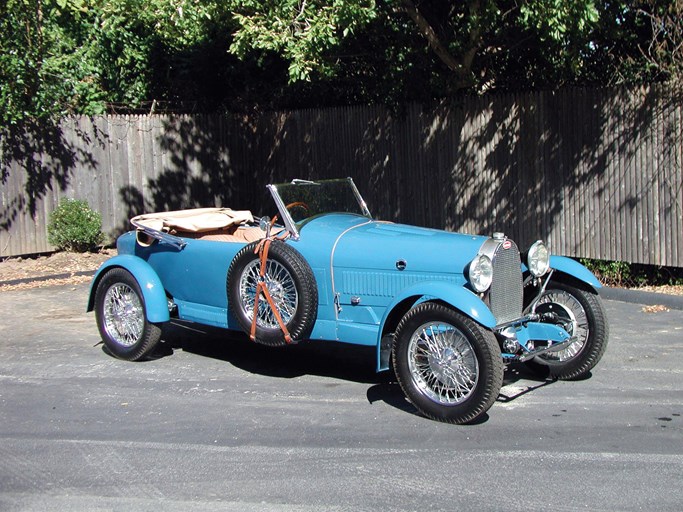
pixel 301 200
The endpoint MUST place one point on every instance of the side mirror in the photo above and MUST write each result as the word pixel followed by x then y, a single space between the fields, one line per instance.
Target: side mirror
pixel 264 224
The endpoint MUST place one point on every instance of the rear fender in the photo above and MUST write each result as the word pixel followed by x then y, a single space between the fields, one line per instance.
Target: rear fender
pixel 459 298
pixel 156 304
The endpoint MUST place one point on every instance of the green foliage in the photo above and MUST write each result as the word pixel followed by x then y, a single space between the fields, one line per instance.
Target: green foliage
pixel 74 226
pixel 563 30
pixel 301 31
pixel 611 273
pixel 405 50
pixel 61 57
pixel 633 275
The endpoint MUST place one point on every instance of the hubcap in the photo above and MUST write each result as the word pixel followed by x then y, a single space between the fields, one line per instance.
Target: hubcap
pixel 124 318
pixel 281 287
pixel 442 363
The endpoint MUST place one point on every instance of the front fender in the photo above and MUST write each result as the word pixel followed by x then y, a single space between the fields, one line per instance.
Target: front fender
pixel 574 269
pixel 455 295
pixel 153 293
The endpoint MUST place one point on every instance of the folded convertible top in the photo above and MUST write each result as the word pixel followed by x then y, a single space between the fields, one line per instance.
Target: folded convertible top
pixel 195 220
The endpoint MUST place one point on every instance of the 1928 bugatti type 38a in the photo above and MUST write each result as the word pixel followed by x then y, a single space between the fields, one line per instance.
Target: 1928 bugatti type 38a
pixel 448 311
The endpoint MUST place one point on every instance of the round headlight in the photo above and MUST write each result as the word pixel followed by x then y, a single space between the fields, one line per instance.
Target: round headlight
pixel 481 273
pixel 538 259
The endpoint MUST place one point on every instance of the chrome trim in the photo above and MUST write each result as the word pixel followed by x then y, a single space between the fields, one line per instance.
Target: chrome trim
pixel 489 247
pixel 334 249
pixel 519 322
pixel 359 198
pixel 552 348
pixel 284 212
pixel 297 181
pixel 534 303
pixel 160 236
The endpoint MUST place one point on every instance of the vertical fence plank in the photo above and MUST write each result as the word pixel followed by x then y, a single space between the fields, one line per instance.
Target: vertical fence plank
pixel 597 173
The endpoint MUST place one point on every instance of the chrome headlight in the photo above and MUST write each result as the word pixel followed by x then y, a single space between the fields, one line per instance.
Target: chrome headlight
pixel 538 259
pixel 481 273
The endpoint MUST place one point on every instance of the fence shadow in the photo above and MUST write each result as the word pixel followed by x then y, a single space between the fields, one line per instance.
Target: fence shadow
pixel 38 159
pixel 585 169
pixel 536 166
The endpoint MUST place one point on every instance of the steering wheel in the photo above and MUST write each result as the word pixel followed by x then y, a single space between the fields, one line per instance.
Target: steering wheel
pixel 298 204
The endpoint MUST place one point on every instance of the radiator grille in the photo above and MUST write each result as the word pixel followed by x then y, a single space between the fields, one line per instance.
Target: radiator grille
pixel 506 293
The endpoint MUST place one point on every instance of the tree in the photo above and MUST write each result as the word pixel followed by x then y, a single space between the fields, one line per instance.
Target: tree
pixel 468 40
pixel 302 31
pixel 438 48
pixel 60 57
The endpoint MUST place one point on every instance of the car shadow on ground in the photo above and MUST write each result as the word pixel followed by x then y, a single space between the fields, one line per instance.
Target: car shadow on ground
pixel 323 358
pixel 331 359
pixel 520 380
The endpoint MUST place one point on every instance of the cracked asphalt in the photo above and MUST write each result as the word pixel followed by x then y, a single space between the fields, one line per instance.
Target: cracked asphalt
pixel 217 423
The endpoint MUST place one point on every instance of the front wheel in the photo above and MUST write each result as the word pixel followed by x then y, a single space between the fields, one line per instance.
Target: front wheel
pixel 121 317
pixel 582 315
pixel 448 366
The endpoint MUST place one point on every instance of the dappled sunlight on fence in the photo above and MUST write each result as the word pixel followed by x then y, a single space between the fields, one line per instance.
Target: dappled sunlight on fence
pixel 596 172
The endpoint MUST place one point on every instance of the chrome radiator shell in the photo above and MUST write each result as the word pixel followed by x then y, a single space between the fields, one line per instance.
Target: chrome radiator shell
pixel 505 297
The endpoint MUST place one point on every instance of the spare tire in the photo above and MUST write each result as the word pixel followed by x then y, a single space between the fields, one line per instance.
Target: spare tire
pixel 291 284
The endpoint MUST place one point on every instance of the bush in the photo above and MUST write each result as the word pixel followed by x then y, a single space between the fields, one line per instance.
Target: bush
pixel 633 275
pixel 74 226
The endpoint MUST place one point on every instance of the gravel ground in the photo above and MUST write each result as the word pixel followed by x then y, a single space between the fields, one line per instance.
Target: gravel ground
pixel 52 269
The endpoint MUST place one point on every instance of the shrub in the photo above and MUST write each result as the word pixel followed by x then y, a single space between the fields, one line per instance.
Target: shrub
pixel 633 275
pixel 74 226
pixel 610 273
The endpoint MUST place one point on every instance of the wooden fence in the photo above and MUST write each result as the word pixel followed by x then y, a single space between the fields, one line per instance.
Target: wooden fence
pixel 595 172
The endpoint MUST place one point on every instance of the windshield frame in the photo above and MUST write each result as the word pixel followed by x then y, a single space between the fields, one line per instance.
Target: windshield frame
pixel 290 224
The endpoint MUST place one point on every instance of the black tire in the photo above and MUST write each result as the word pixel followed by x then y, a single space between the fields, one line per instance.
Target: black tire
pixel 584 316
pixel 448 366
pixel 122 317
pixel 291 284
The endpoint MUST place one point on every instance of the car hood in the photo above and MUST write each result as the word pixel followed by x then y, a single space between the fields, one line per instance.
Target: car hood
pixel 384 246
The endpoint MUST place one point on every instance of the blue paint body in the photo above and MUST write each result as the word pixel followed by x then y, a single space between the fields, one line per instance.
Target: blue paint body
pixel 575 269
pixel 364 270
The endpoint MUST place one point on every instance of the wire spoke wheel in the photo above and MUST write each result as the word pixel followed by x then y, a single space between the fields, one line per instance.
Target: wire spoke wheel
pixel 291 285
pixel 580 312
pixel 448 366
pixel 442 363
pixel 124 318
pixel 281 287
pixel 572 317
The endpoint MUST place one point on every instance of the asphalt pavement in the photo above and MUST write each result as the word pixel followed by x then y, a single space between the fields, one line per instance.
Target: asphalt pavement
pixel 218 423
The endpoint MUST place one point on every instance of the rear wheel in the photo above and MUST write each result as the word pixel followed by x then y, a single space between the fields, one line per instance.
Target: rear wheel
pixel 582 315
pixel 448 366
pixel 121 317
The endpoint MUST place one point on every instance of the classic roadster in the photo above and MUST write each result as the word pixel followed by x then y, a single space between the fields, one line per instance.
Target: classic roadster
pixel 448 311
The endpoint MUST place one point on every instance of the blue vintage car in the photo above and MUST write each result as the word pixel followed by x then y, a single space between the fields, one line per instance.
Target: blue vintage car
pixel 448 311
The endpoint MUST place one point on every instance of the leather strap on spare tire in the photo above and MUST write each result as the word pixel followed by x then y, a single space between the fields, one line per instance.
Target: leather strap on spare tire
pixel 272 293
pixel 262 289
